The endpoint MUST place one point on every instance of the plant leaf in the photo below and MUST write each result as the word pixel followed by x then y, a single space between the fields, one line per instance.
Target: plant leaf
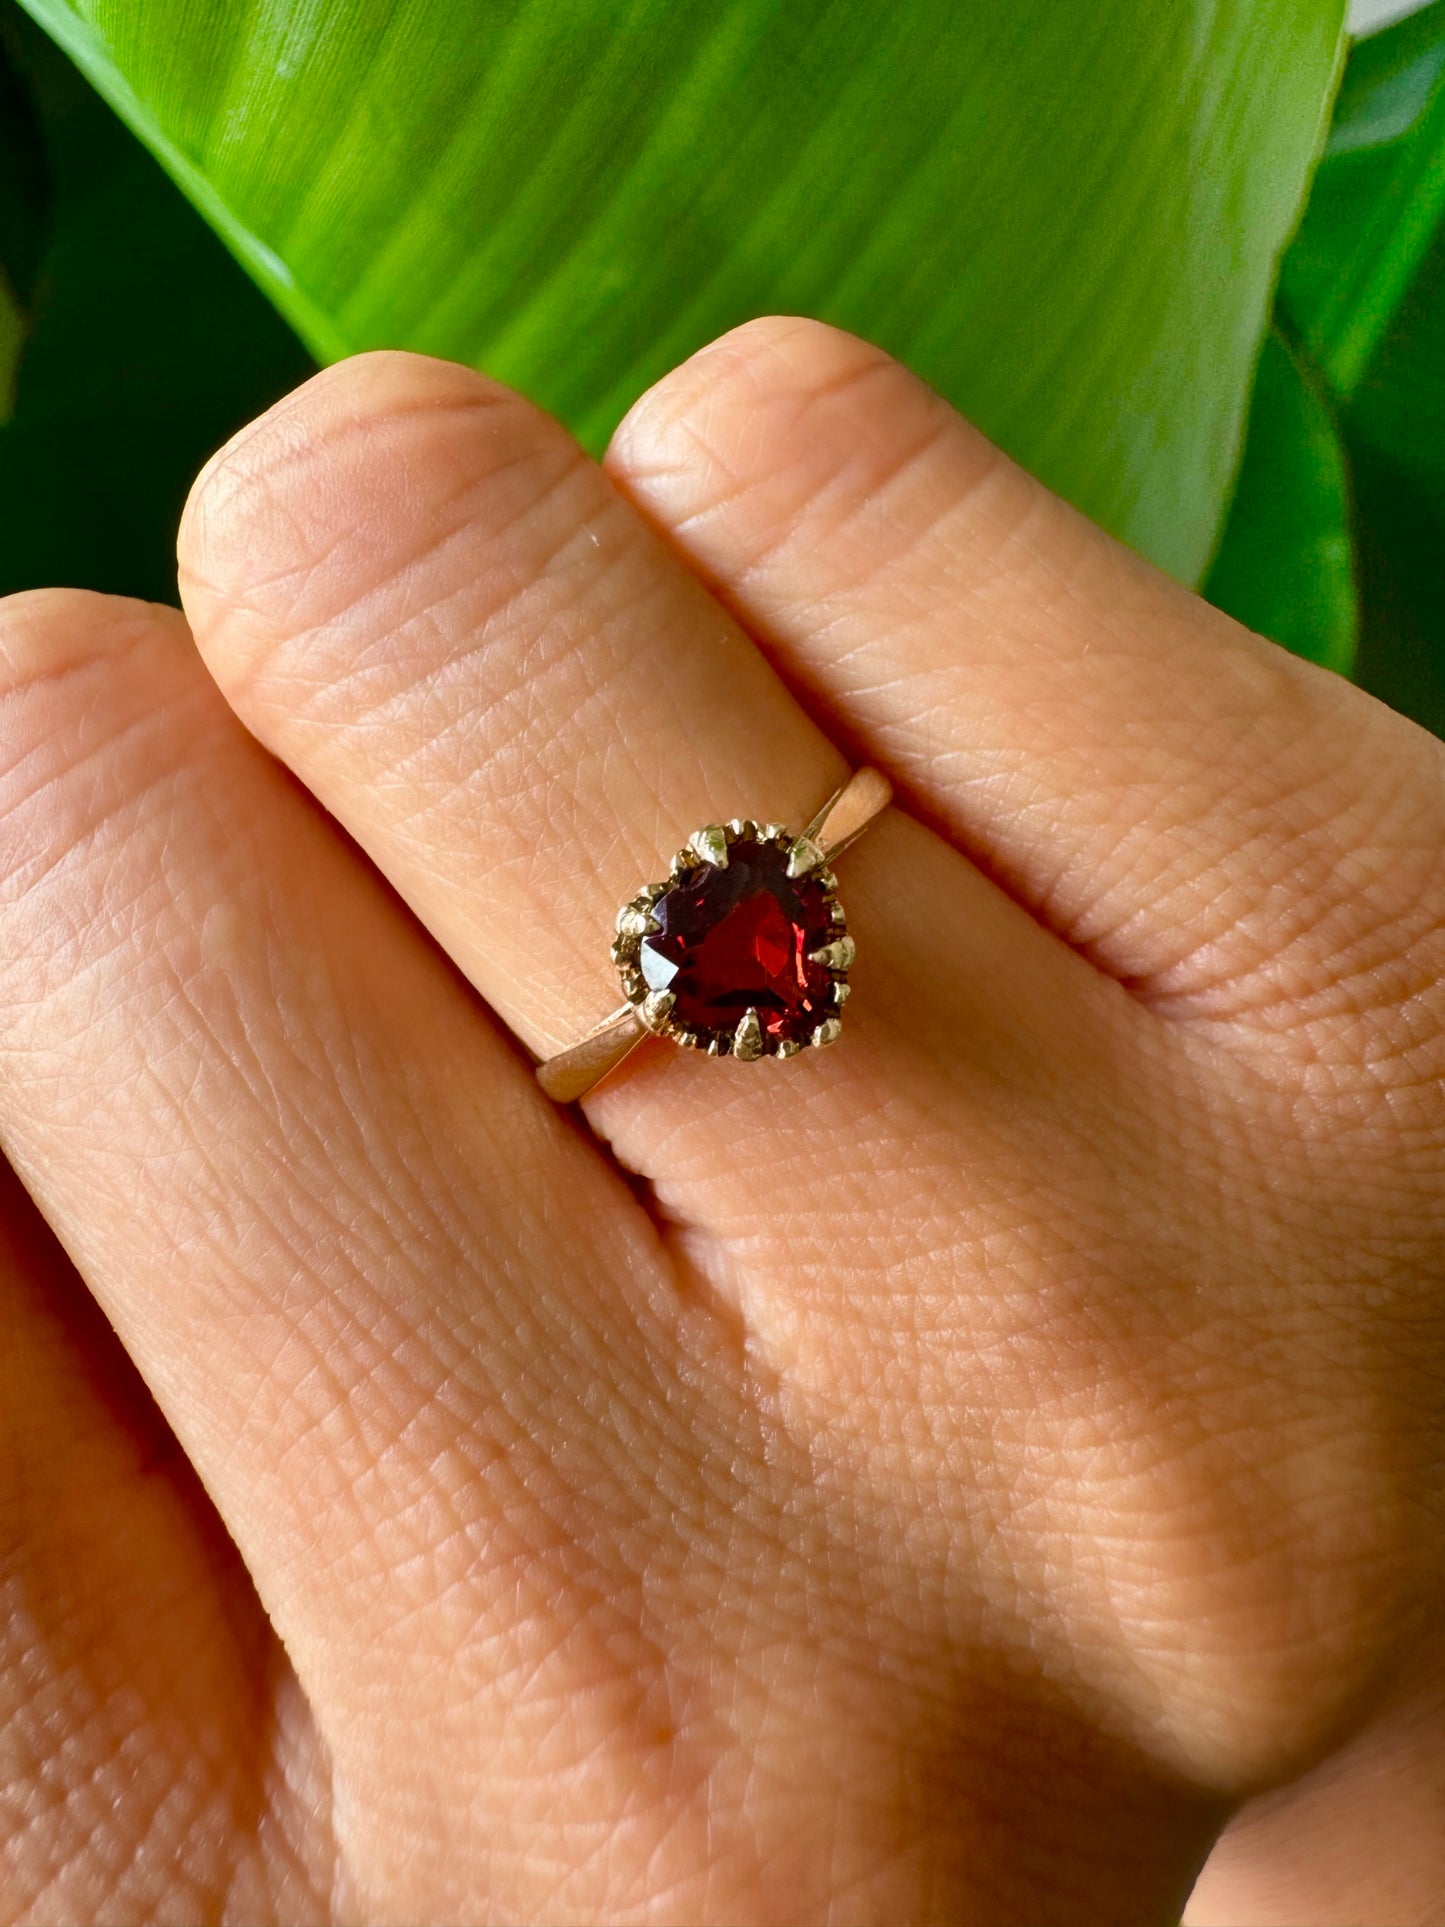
pixel 1401 561
pixel 1399 404
pixel 149 348
pixel 1363 286
pixel 1066 214
pixel 1377 199
pixel 1284 565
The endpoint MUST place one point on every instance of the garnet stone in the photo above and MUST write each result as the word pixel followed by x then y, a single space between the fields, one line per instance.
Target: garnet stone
pixel 723 938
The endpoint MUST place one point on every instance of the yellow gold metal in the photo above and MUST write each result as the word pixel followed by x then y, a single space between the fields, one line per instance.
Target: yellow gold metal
pixel 849 811
pixel 804 856
pixel 711 845
pixel 748 1037
pixel 572 1073
pixel 835 956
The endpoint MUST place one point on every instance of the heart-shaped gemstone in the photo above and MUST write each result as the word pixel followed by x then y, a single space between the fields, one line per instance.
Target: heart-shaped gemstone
pixel 743 934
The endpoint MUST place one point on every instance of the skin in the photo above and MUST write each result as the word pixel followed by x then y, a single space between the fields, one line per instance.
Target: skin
pixel 940 1478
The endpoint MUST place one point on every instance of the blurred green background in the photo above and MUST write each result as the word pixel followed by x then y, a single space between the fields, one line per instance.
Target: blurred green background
pixel 1188 264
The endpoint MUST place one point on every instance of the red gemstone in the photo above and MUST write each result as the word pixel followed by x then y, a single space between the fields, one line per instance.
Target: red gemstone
pixel 739 937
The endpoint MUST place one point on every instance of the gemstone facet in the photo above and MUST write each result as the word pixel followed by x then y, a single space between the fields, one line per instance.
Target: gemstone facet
pixel 743 951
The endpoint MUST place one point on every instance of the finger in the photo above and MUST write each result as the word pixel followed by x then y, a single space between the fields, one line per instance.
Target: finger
pixel 144 1700
pixel 1182 801
pixel 470 651
pixel 397 1310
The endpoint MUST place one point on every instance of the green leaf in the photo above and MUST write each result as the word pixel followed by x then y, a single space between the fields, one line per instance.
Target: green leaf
pixel 1388 83
pixel 1285 566
pixel 1363 286
pixel 1399 403
pixel 24 194
pixel 1377 200
pixel 149 347
pixel 1401 550
pixel 1066 214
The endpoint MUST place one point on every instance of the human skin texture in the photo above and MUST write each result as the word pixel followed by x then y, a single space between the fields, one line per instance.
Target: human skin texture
pixel 938 1478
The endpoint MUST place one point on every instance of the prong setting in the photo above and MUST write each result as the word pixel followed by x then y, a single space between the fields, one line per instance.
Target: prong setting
pixel 634 921
pixel 803 856
pixel 758 1032
pixel 654 1009
pixel 838 955
pixel 748 1037
pixel 711 844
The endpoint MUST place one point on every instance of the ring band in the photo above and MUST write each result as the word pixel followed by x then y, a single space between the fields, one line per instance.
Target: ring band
pixel 744 951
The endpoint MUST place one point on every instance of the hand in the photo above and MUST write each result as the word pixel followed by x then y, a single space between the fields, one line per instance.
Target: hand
pixel 936 1478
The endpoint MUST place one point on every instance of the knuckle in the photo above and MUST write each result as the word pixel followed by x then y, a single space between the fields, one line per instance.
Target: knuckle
pixel 45 633
pixel 382 487
pixel 776 362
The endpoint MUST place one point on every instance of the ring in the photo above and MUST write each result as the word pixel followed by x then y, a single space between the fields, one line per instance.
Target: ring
pixel 744 950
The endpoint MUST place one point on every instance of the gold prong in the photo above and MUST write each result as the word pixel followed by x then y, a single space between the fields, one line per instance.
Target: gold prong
pixel 635 921
pixel 776 833
pixel 804 856
pixel 748 1037
pixel 838 914
pixel 828 1032
pixel 654 1008
pixel 842 991
pixel 838 955
pixel 787 1047
pixel 711 844
pixel 717 1046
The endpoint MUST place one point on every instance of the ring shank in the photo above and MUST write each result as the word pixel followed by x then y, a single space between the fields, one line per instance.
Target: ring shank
pixel 573 1072
pixel 849 811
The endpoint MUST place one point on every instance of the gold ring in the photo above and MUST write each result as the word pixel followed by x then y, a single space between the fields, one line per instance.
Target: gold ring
pixel 742 952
